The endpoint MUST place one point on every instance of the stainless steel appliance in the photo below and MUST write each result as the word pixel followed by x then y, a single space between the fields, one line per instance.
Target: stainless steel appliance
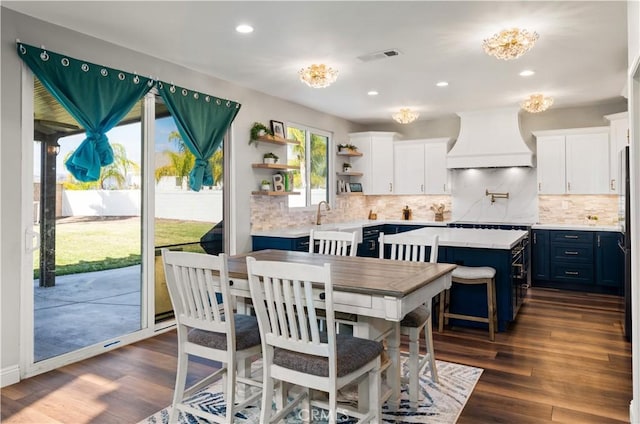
pixel 625 223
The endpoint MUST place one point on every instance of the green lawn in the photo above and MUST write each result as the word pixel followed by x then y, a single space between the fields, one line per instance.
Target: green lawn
pixel 106 244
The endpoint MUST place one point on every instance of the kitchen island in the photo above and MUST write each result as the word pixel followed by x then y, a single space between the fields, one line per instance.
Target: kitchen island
pixel 507 251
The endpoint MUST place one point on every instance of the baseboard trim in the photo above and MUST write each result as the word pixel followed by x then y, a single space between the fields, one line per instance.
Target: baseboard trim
pixel 9 376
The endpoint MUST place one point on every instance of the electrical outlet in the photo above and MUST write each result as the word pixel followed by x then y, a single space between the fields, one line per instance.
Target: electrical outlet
pixel 565 204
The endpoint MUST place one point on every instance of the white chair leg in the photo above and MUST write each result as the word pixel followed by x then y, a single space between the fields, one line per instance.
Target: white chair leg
pixel 414 361
pixel 375 389
pixel 267 396
pixel 181 381
pixel 305 407
pixel 230 389
pixel 333 406
pixel 431 351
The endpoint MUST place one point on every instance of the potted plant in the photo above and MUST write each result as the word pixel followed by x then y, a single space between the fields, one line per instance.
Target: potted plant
pixel 265 185
pixel 270 158
pixel 347 148
pixel 258 130
pixel 346 167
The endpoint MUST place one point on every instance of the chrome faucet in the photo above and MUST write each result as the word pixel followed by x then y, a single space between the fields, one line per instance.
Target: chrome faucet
pixel 318 215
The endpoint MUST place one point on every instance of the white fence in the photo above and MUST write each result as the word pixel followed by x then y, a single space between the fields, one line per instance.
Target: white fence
pixel 205 205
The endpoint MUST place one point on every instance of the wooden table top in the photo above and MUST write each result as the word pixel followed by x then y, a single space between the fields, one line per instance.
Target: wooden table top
pixel 383 277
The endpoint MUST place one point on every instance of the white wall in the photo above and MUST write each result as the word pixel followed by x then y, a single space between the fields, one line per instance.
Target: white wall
pixel 255 107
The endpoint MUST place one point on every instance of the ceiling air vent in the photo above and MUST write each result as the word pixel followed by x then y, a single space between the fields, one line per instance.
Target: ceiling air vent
pixel 379 55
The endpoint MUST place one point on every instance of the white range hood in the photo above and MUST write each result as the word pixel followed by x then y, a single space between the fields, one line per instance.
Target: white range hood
pixel 489 139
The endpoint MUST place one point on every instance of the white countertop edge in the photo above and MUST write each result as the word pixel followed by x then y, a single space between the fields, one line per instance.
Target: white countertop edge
pixel 295 232
pixel 576 227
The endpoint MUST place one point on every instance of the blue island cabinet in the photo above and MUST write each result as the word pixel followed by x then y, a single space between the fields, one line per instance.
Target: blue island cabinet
pixel 472 299
pixel 298 244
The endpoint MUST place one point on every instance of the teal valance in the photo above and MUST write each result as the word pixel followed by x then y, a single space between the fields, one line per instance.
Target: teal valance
pixel 98 97
pixel 202 121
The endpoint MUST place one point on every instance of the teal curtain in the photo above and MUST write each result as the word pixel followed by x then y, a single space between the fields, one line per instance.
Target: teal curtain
pixel 202 121
pixel 96 96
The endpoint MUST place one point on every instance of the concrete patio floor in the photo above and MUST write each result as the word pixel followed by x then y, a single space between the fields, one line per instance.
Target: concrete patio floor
pixel 85 309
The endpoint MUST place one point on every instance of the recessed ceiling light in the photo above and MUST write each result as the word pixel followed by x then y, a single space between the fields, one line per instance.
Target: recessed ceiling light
pixel 372 93
pixel 526 73
pixel 442 84
pixel 244 29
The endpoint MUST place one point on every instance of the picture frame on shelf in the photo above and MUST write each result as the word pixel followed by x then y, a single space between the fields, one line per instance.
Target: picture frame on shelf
pixel 277 128
pixel 355 187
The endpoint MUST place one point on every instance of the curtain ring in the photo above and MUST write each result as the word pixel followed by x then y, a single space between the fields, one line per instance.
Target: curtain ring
pixel 104 72
pixel 85 67
pixel 207 99
pixel 173 89
pixel 196 96
pixel 136 79
pixel 184 92
pixel 121 76
pixel 218 102
pixel 228 103
pixel 44 56
pixel 64 61
pixel 23 49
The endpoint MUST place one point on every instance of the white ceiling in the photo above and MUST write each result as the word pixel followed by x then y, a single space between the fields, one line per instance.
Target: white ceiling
pixel 579 59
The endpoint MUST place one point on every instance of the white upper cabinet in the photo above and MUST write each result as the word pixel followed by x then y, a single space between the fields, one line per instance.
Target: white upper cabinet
pixel 420 166
pixel 573 161
pixel 376 162
pixel 551 164
pixel 618 139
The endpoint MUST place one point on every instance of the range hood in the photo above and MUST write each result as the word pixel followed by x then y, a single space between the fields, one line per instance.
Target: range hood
pixel 489 139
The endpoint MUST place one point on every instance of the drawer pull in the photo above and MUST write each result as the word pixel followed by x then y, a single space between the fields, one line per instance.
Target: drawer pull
pixel 570 237
pixel 571 273
pixel 570 252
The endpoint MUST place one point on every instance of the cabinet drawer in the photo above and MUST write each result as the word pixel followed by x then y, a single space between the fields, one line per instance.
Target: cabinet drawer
pixel 583 237
pixel 301 244
pixel 575 273
pixel 575 253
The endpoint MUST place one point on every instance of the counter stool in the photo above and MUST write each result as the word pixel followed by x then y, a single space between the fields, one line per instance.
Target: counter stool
pixel 471 275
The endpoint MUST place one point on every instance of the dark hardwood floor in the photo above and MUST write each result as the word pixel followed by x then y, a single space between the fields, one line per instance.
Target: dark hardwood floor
pixel 564 361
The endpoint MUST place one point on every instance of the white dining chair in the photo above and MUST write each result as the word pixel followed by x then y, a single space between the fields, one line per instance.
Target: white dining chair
pixel 407 247
pixel 340 243
pixel 286 297
pixel 208 328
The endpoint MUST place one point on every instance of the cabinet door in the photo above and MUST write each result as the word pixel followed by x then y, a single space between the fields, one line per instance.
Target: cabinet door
pixel 436 174
pixel 618 139
pixel 609 260
pixel 551 164
pixel 587 159
pixel 540 255
pixel 381 165
pixel 408 168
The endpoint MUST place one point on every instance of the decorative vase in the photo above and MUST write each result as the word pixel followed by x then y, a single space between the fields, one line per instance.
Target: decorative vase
pixel 269 160
pixel 265 187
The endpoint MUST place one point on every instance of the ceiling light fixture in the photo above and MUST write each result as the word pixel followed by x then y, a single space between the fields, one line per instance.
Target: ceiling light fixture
pixel 510 43
pixel 244 29
pixel 527 73
pixel 405 116
pixel 318 76
pixel 442 84
pixel 537 103
pixel 373 93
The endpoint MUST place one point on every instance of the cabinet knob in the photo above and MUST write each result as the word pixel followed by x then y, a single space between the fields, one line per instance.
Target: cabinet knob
pixel 612 185
pixel 422 188
pixel 390 187
pixel 539 186
pixel 568 186
pixel 598 239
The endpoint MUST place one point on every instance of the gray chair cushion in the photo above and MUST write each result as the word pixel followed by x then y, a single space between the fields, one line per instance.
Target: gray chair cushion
pixel 353 353
pixel 247 334
pixel 416 318
pixel 473 272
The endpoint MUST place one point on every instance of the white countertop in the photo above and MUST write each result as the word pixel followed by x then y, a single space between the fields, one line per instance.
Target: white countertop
pixel 471 237
pixel 295 232
pixel 573 227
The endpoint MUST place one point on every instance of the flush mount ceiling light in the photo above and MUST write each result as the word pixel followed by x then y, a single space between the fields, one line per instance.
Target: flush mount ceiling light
pixel 405 116
pixel 537 103
pixel 510 43
pixel 527 73
pixel 442 84
pixel 318 76
pixel 372 93
pixel 244 29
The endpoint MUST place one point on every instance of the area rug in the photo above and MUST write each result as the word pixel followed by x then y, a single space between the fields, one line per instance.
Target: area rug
pixel 440 403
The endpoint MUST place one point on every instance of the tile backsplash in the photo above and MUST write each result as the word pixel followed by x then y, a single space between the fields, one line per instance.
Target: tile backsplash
pixel 272 212
pixel 573 209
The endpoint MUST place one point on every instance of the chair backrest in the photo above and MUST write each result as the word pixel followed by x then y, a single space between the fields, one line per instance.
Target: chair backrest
pixel 339 243
pixel 407 247
pixel 283 298
pixel 199 289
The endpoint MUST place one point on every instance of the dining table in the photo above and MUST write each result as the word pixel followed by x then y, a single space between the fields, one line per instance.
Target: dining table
pixel 380 292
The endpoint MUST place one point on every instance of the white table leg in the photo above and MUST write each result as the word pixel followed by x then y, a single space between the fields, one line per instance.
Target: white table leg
pixel 394 371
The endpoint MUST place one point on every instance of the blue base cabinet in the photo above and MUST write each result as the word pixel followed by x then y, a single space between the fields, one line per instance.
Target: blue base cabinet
pixel 299 244
pixel 578 260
